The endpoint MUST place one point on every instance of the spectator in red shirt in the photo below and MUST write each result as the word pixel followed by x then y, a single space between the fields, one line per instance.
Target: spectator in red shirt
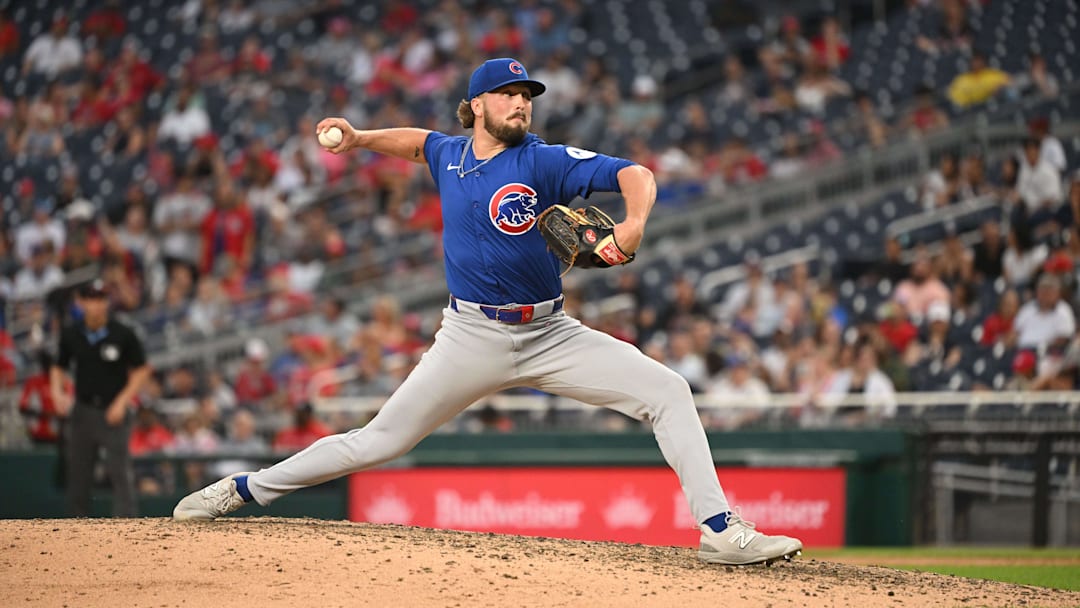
pixel 140 75
pixel 305 431
pixel 122 92
pixel 9 36
pixel 208 66
pixel 251 59
pixel 830 47
pixel 318 354
pixel 106 22
pixel 257 154
pixel 8 354
pixel 896 328
pixel 93 108
pixel 229 229
pixel 36 403
pixel 148 434
pixel 739 164
pixel 924 115
pixel 254 384
pixel 504 38
pixel 427 215
pixel 389 74
pixel 999 324
pixel 398 16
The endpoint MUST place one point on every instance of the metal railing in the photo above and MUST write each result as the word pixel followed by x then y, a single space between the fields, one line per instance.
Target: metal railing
pixel 722 277
pixel 940 215
pixel 987 462
pixel 993 482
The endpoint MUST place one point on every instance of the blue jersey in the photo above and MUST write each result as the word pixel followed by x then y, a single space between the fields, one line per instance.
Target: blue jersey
pixel 493 254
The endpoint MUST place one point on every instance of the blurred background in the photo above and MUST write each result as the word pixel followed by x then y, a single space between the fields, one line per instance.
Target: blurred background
pixel 863 256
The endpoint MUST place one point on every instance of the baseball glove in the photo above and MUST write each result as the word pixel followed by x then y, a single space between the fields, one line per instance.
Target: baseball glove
pixel 581 237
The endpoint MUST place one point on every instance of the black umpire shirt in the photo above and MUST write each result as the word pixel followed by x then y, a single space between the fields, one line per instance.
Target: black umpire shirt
pixel 102 360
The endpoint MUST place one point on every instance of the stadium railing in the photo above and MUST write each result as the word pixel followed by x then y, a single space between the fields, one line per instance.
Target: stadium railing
pixel 978 475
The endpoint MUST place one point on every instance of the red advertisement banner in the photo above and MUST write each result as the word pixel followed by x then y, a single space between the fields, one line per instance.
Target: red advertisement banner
pixel 627 504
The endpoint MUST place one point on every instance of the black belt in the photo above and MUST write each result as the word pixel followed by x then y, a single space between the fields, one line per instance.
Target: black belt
pixel 95 401
pixel 514 314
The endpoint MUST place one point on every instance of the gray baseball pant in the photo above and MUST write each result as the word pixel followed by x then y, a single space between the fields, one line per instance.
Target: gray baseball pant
pixel 474 356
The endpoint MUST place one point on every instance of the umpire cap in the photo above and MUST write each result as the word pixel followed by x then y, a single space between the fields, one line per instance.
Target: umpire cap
pixel 495 73
pixel 93 289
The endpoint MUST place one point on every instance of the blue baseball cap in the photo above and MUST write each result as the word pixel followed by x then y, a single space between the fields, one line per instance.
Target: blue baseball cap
pixel 495 73
pixel 44 205
pixel 736 360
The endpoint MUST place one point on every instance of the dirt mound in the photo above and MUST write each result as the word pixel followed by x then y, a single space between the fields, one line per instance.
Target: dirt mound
pixel 297 563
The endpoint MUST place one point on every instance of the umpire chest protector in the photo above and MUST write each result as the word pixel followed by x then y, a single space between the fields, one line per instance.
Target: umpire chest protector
pixel 494 254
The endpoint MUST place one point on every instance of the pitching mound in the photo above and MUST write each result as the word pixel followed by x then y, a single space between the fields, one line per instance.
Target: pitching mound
pixel 297 563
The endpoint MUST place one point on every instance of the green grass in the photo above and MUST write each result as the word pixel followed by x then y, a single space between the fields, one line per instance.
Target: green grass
pixel 1020 553
pixel 1057 577
pixel 1026 571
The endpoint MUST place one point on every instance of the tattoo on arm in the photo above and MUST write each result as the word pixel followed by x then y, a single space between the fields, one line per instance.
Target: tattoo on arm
pixel 416 152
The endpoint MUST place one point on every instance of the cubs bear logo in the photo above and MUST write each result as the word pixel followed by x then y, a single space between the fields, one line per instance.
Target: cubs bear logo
pixel 516 67
pixel 512 208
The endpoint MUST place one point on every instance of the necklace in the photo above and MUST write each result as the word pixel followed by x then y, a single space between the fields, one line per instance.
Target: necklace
pixel 461 163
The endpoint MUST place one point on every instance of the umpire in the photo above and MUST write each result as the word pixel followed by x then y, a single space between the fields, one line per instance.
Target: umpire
pixel 110 368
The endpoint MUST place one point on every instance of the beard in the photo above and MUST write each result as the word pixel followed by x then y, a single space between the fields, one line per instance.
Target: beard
pixel 509 134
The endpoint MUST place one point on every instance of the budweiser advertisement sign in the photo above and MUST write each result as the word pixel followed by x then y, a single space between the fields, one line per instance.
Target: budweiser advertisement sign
pixel 627 504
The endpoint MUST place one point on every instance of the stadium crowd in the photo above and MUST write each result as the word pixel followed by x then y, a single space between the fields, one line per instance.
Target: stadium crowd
pixel 224 211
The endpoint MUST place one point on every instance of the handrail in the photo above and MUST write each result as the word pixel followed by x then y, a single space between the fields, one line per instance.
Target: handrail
pixel 940 214
pixel 998 480
pixel 736 272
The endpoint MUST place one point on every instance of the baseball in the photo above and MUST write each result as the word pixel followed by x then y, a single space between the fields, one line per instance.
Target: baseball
pixel 330 137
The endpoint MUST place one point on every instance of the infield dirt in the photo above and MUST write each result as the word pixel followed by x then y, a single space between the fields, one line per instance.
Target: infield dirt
pixel 298 563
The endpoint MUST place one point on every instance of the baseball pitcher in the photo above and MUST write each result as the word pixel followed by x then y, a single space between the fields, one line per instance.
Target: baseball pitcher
pixel 508 237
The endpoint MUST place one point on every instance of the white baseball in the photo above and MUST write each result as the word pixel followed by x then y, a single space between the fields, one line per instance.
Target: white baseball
pixel 331 137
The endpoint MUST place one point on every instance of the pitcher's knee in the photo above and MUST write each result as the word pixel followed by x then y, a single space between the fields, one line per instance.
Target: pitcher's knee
pixel 368 447
pixel 662 392
pixel 672 387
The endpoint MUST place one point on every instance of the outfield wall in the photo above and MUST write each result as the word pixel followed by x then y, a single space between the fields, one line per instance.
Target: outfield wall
pixel 840 487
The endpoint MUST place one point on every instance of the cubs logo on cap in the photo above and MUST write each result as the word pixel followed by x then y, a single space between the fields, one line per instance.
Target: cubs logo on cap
pixel 495 73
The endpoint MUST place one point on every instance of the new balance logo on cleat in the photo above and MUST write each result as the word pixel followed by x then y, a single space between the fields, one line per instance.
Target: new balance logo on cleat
pixel 743 539
pixel 741 545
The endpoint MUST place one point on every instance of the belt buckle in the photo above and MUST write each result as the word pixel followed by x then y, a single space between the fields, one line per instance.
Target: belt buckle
pixel 526 314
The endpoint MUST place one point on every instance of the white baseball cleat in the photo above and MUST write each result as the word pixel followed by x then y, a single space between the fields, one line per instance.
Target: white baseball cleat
pixel 741 545
pixel 211 502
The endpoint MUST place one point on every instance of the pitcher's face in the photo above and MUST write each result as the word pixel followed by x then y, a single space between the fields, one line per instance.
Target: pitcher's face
pixel 507 113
